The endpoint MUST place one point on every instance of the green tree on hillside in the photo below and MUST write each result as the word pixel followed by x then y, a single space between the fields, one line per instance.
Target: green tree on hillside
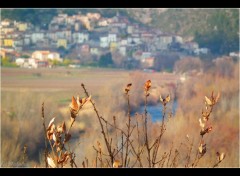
pixel 106 60
pixel 221 37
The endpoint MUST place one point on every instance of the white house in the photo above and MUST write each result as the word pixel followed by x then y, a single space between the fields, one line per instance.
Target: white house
pixel 178 39
pixel 123 42
pixel 123 50
pixel 51 35
pixel 234 54
pixel 54 56
pixel 199 51
pixel 20 61
pixel 36 36
pixel 104 43
pixel 136 40
pixel 130 29
pixel 5 23
pixel 80 37
pixel 103 22
pixel 45 55
pixel 94 51
pixel 26 41
pixel 112 37
pixel 163 41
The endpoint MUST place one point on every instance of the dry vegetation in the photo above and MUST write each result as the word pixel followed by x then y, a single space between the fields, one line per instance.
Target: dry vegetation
pixel 96 129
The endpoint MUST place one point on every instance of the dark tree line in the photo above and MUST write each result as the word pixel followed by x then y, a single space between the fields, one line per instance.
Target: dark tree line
pixel 221 36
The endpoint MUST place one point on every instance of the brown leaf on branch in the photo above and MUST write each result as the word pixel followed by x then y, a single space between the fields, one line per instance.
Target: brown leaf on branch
pixel 147 85
pixel 50 162
pixel 127 89
pixel 64 158
pixel 50 123
pixel 217 97
pixel 74 105
pixel 208 101
pixel 202 125
pixel 61 128
pixel 116 164
pixel 164 101
pixel 84 100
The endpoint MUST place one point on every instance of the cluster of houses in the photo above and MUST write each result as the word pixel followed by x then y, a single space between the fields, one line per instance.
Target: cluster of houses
pixel 92 34
pixel 39 59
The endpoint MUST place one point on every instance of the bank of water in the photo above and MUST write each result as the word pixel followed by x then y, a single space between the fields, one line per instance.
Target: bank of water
pixel 155 111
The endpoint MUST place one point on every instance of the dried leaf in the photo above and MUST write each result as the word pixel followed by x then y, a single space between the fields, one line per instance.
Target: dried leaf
pixel 147 85
pixel 167 98
pixel 64 127
pixel 64 159
pixel 49 135
pixel 99 145
pixel 51 123
pixel 221 157
pixel 161 99
pixel 51 162
pixel 205 118
pixel 209 129
pixel 85 100
pixel 200 148
pixel 58 149
pixel 61 128
pixel 217 98
pixel 202 125
pixel 54 137
pixel 209 102
pixel 116 164
pixel 74 104
pixel 127 89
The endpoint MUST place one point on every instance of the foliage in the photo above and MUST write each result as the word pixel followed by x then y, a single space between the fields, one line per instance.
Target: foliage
pixel 181 144
pixel 185 65
pixel 66 62
pixel 165 62
pixel 106 60
pixel 5 62
pixel 221 37
pixel 38 17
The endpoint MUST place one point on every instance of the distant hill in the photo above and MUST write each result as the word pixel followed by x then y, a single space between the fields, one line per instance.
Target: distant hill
pixel 217 29
pixel 40 17
pixel 181 21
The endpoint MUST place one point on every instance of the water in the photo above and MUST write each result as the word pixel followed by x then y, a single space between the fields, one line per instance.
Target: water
pixel 155 111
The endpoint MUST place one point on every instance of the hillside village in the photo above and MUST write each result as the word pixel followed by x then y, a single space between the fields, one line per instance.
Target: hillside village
pixel 85 38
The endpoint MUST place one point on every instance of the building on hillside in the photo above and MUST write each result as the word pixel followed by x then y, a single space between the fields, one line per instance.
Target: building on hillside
pixel 104 43
pixel 80 37
pixel 37 36
pixel 62 42
pixel 2 53
pixel 123 50
pixel 8 42
pixel 148 62
pixel 22 27
pixel 94 51
pixel 113 46
pixel 85 49
pixel 46 55
pixel 112 37
pixel 41 55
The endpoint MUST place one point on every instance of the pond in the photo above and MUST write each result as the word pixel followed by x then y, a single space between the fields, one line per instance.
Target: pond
pixel 155 111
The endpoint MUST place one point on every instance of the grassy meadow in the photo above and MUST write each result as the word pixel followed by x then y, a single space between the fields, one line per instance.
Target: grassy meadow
pixel 24 90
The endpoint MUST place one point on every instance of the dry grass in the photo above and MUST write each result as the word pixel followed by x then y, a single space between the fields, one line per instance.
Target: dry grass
pixel 21 116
